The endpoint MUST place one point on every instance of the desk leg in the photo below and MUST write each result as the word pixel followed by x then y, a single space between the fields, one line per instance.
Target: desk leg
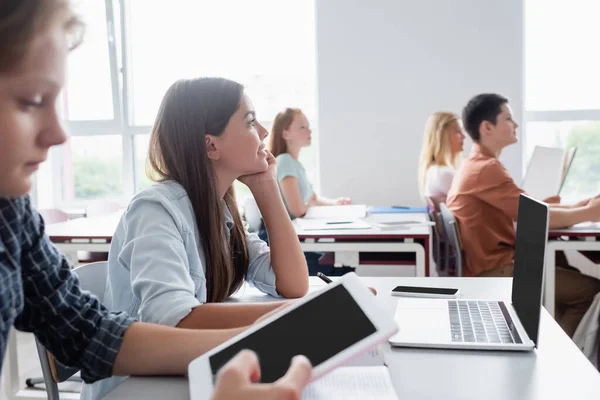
pixel 11 369
pixel 427 250
pixel 550 278
pixel 422 260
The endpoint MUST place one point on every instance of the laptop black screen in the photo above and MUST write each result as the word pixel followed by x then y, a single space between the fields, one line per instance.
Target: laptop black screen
pixel 530 249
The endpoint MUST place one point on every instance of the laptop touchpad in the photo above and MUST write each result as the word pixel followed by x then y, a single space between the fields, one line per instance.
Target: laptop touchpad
pixel 422 321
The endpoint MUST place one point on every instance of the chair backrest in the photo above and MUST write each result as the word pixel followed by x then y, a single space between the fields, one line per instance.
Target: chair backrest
pixel 452 236
pixel 52 216
pixel 252 215
pixel 92 277
pixel 433 209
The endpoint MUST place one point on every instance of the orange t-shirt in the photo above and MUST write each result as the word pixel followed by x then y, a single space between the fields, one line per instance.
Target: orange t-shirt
pixel 484 200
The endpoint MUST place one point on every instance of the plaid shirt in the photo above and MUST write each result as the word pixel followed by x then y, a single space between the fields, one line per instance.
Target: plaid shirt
pixel 39 293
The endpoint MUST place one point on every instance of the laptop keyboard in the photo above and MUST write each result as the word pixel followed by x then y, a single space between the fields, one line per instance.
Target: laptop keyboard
pixel 478 322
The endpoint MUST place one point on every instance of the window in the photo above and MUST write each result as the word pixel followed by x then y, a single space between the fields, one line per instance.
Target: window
pixel 562 87
pixel 93 168
pixel 584 176
pixel 267 45
pixel 142 180
pixel 120 73
pixel 88 96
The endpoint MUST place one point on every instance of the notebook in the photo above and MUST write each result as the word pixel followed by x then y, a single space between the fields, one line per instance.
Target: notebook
pixel 353 383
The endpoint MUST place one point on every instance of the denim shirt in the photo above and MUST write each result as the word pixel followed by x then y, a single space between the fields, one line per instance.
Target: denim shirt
pixel 156 264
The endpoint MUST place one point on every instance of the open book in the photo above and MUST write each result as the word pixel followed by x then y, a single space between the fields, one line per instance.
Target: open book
pixel 353 383
pixel 547 171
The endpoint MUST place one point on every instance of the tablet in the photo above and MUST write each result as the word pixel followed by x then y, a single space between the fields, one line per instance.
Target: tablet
pixel 329 327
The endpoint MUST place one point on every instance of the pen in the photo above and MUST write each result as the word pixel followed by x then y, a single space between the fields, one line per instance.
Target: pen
pixel 400 207
pixel 338 222
pixel 324 277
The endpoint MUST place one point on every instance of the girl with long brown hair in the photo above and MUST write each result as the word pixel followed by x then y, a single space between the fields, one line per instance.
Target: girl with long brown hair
pixel 180 248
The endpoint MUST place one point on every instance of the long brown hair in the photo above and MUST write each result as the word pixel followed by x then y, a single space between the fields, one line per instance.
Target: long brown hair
pixel 22 20
pixel 282 122
pixel 191 109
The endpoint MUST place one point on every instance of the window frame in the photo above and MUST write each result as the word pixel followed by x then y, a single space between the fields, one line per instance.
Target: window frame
pixel 564 115
pixel 117 13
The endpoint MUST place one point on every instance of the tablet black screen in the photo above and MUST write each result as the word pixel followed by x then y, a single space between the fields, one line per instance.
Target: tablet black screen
pixel 319 329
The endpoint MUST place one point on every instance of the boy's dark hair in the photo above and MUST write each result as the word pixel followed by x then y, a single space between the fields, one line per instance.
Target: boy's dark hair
pixel 483 107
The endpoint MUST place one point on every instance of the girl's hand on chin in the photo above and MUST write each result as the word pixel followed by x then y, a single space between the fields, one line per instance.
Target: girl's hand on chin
pixel 269 175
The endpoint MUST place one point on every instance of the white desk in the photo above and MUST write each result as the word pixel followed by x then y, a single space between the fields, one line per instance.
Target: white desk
pixel 590 242
pixel 95 234
pixel 348 244
pixel 92 234
pixel 556 370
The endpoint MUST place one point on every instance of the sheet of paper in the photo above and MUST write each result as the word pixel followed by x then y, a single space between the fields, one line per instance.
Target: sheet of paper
pixel 406 223
pixel 353 383
pixel 337 212
pixel 586 226
pixel 544 173
pixel 371 358
pixel 331 224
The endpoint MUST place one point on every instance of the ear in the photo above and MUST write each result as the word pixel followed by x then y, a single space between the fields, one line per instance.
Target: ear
pixel 285 134
pixel 211 147
pixel 485 128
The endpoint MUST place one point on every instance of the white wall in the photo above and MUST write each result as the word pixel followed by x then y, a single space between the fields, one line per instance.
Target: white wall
pixel 384 65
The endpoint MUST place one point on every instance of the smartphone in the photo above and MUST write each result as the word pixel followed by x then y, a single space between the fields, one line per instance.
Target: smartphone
pixel 427 292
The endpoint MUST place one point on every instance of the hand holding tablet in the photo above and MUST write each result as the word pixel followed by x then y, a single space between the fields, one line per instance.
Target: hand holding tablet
pixel 237 380
pixel 329 327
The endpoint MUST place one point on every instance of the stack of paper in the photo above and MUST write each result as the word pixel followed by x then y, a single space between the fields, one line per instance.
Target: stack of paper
pixel 336 212
pixel 396 225
pixel 398 210
pixel 353 383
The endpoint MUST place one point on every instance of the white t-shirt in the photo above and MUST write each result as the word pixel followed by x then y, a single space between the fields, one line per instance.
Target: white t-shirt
pixel 438 180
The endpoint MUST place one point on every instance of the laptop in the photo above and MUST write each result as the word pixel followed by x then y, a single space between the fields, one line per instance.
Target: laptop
pixel 486 324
